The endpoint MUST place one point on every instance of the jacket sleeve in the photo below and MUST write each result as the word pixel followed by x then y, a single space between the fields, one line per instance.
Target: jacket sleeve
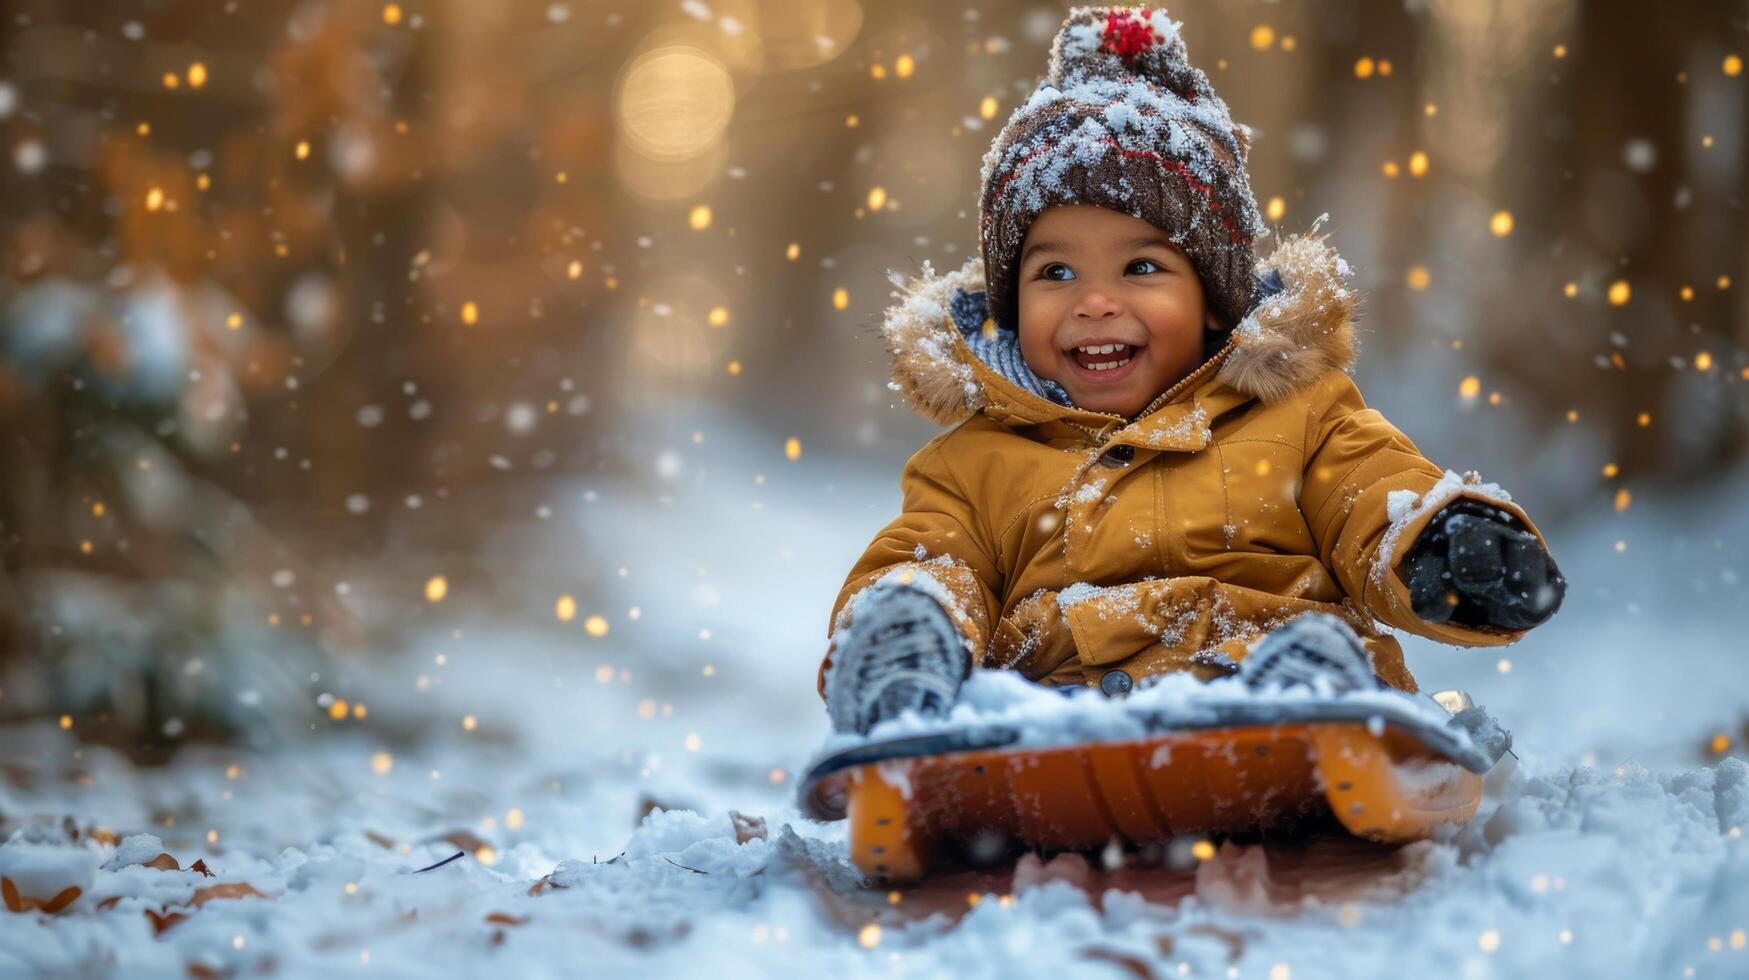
pixel 935 543
pixel 1366 494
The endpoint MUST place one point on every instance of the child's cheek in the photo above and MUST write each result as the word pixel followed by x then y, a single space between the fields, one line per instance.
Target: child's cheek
pixel 1036 342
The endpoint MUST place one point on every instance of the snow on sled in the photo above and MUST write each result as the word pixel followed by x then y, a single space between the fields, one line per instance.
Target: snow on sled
pixel 1016 762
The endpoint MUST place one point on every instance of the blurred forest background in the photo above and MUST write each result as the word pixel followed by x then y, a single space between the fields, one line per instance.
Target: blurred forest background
pixel 302 303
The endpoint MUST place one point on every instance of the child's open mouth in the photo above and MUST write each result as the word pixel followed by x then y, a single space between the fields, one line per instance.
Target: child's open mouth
pixel 1104 363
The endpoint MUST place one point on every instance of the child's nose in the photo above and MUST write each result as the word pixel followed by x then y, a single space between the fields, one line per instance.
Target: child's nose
pixel 1095 303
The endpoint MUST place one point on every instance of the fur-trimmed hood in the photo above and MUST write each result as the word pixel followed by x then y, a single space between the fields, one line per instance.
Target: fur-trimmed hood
pixel 1299 330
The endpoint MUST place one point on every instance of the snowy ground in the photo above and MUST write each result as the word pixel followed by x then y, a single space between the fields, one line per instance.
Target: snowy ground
pixel 1612 848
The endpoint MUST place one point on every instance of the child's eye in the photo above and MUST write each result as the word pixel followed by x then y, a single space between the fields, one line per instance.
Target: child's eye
pixel 1045 273
pixel 1150 263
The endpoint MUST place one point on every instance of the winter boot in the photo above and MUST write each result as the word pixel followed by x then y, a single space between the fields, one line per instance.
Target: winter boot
pixel 902 652
pixel 1315 650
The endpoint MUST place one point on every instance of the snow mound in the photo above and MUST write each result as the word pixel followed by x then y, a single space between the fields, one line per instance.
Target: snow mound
pixel 1576 872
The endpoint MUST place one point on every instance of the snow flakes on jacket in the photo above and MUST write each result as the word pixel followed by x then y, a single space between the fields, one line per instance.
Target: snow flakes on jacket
pixel 1257 488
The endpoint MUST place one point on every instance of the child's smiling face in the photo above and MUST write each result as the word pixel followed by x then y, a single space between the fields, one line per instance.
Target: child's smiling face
pixel 1091 276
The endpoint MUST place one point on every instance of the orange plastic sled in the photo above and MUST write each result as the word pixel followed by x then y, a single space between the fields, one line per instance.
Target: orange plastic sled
pixel 1384 780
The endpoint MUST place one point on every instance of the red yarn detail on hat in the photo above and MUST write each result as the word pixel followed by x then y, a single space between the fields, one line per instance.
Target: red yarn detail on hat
pixel 1127 35
pixel 1205 189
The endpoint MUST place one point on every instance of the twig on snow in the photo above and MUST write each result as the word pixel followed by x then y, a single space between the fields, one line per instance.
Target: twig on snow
pixel 441 863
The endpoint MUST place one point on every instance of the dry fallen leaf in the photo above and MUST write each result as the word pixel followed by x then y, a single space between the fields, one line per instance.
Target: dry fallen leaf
pixel 230 889
pixel 164 862
pixel 506 919
pixel 747 827
pixel 1134 965
pixel 163 920
pixel 24 903
pixel 648 803
pixel 466 840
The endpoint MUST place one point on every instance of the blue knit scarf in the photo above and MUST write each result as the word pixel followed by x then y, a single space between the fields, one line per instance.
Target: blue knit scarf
pixel 1001 348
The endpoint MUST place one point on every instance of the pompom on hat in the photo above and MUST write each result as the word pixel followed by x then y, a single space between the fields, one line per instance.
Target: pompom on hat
pixel 1123 120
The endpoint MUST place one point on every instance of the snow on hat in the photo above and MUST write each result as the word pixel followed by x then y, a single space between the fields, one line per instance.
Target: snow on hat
pixel 1122 120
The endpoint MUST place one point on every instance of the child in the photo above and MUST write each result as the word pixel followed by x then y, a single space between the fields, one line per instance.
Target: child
pixel 1159 458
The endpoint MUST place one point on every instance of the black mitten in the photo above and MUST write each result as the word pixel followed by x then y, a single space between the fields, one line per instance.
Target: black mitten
pixel 1476 565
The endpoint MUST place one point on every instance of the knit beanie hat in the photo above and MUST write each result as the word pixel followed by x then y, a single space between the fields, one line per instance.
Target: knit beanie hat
pixel 1122 120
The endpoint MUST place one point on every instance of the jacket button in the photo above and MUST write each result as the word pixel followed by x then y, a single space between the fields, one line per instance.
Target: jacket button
pixel 1118 455
pixel 1116 682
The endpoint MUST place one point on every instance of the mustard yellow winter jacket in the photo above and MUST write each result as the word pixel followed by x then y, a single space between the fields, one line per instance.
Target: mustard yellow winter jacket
pixel 1069 542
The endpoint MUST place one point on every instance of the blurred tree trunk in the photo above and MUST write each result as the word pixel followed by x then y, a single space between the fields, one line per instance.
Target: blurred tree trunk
pixel 1624 95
